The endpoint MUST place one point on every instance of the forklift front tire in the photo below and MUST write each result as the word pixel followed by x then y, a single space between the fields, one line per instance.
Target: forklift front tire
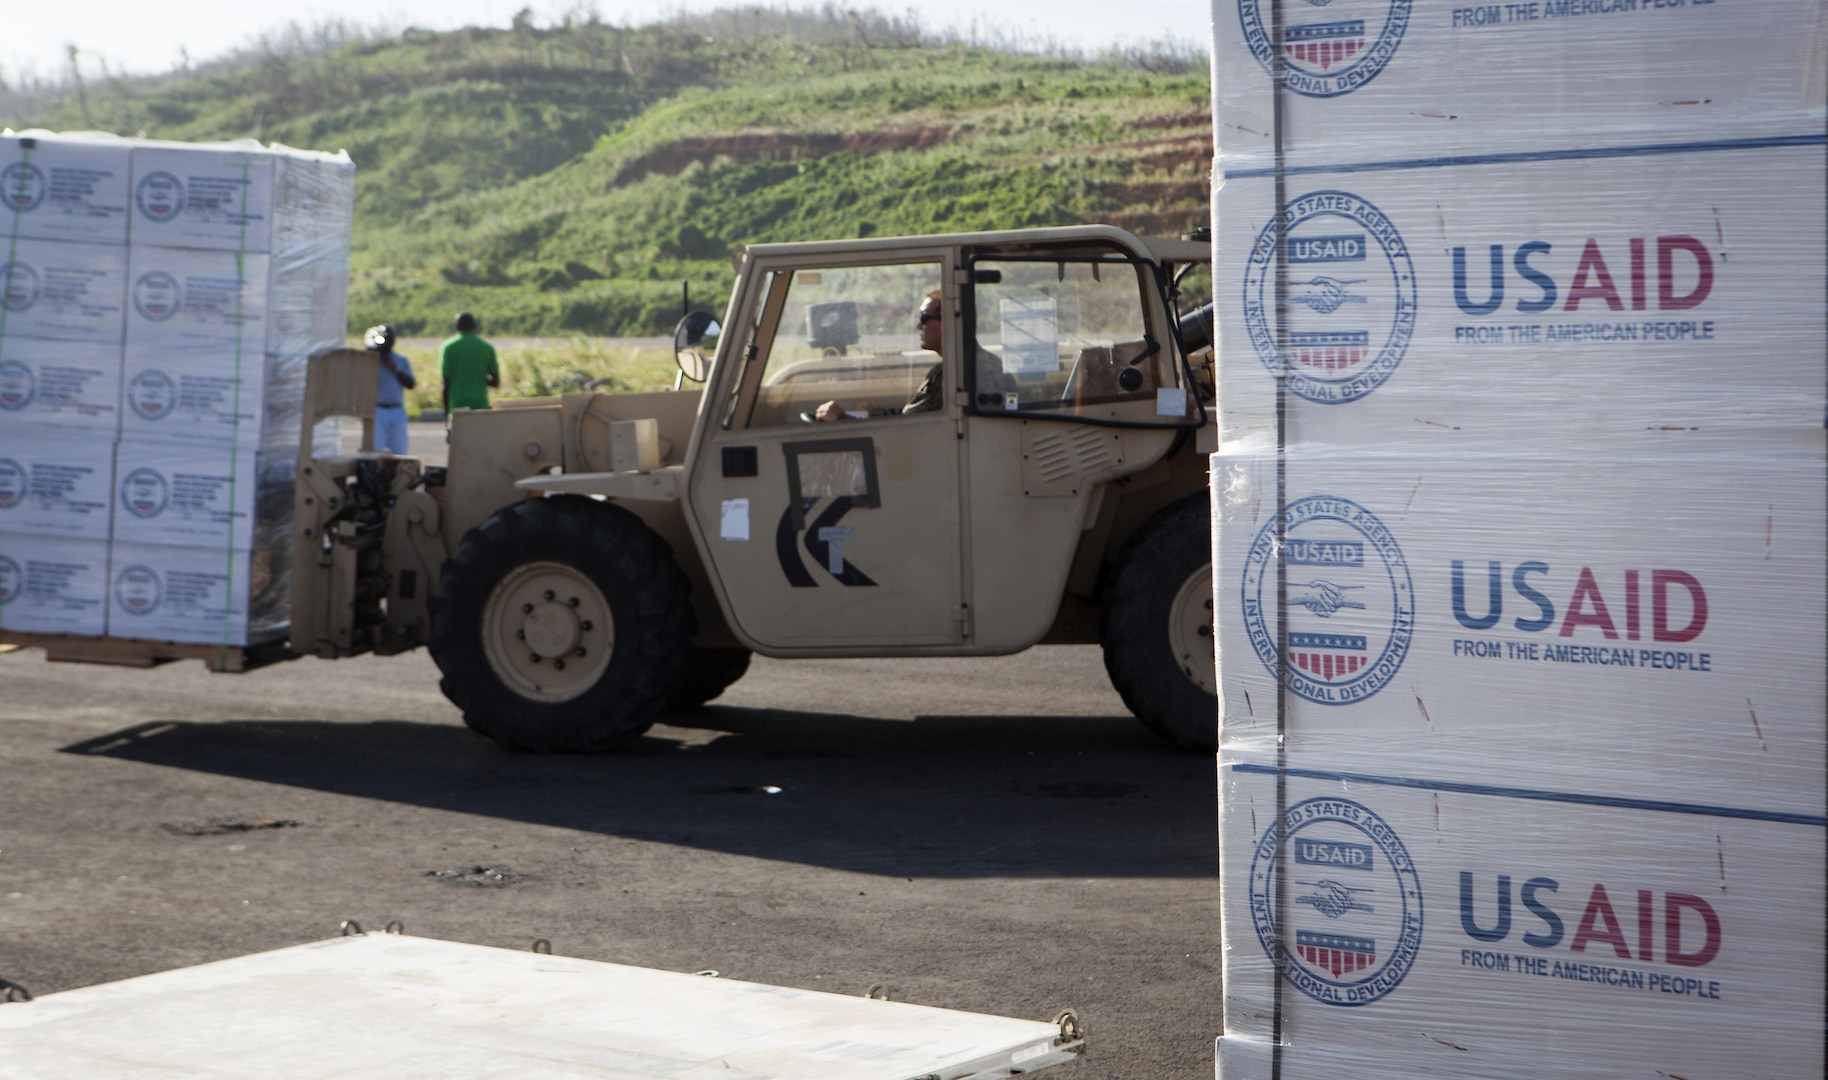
pixel 561 626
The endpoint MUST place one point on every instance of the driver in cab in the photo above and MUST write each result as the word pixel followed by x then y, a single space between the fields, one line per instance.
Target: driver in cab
pixel 931 393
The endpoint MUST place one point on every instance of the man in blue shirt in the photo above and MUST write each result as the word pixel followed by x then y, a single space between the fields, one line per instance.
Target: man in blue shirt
pixel 390 391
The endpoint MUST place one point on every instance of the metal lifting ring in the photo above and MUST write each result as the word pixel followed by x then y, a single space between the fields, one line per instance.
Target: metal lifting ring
pixel 11 991
pixel 709 973
pixel 877 992
pixel 394 927
pixel 1070 1031
pixel 350 928
pixel 541 945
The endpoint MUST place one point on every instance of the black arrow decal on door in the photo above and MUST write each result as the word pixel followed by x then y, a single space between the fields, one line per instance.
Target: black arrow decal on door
pixel 783 548
pixel 824 542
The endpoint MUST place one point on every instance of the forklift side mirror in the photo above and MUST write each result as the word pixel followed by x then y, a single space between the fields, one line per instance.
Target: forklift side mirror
pixel 694 343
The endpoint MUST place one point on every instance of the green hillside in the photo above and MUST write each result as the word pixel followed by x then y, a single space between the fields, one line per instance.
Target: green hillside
pixel 566 179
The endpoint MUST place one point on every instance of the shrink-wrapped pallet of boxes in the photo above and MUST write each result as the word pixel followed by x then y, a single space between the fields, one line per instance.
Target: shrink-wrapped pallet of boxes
pixel 63 274
pixel 162 302
pixel 1520 533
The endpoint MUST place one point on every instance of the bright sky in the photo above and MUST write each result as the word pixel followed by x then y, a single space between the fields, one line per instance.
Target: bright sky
pixel 145 38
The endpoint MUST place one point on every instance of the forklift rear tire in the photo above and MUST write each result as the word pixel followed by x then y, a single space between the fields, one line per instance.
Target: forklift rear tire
pixel 561 626
pixel 1158 626
pixel 708 673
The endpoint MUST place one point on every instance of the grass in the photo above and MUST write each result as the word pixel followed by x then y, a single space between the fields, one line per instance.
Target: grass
pixel 539 367
pixel 565 180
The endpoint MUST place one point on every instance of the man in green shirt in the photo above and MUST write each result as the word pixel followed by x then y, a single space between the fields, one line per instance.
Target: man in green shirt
pixel 467 363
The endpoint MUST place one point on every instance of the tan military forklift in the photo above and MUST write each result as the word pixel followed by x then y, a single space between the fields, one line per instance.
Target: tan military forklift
pixel 959 445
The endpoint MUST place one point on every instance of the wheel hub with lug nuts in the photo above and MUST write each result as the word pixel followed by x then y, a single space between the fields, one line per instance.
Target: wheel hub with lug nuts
pixel 548 632
pixel 1190 629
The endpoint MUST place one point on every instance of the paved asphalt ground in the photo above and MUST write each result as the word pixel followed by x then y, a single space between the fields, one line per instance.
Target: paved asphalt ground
pixel 993 835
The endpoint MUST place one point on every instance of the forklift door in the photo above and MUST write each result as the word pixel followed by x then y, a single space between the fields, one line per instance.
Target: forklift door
pixel 827 486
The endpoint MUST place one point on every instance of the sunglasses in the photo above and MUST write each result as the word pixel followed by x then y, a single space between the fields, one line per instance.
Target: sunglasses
pixel 926 317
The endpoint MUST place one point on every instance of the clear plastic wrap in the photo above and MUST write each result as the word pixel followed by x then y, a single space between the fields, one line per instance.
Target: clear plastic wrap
pixel 163 302
pixel 1520 531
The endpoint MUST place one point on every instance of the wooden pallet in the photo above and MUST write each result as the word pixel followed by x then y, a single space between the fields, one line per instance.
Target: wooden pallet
pixel 134 652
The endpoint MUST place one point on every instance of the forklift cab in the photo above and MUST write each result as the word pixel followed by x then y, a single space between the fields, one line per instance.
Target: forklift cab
pixel 939 507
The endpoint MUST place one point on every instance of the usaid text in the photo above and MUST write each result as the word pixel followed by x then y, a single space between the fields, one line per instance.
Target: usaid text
pixel 1662 606
pixel 1677 929
pixel 1642 274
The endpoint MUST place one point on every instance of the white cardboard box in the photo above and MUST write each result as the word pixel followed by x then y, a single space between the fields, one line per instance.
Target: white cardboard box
pixel 53 484
pixel 66 385
pixel 216 196
pixel 214 300
pixel 192 395
pixel 1485 929
pixel 1623 623
pixel 185 493
pixel 61 187
pixel 162 592
pixel 53 585
pixel 66 291
pixel 1375 80
pixel 242 196
pixel 1637 293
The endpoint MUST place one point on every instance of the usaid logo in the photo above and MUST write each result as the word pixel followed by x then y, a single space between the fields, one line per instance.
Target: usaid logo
pixel 14 483
pixel 157 296
pixel 19 286
pixel 145 493
pixel 1351 603
pixel 152 395
pixel 1355 902
pixel 22 187
pixel 1329 47
pixel 160 196
pixel 12 581
pixel 137 590
pixel 1351 298
pixel 18 386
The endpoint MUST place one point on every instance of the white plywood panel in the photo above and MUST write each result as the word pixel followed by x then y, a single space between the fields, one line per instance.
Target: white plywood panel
pixel 393 1006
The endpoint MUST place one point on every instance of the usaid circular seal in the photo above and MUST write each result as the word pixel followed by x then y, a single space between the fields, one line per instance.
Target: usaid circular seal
pixel 1354 902
pixel 18 386
pixel 1351 295
pixel 19 287
pixel 157 296
pixel 145 493
pixel 14 483
pixel 22 187
pixel 12 580
pixel 138 590
pixel 160 196
pixel 1329 51
pixel 1351 602
pixel 152 395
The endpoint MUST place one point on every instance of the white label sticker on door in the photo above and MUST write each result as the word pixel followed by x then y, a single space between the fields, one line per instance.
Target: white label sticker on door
pixel 735 520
